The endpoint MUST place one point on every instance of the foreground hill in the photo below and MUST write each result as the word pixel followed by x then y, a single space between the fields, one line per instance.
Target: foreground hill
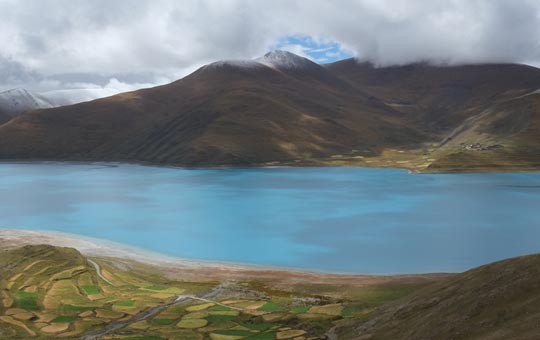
pixel 48 291
pixel 55 292
pixel 283 108
pixel 496 301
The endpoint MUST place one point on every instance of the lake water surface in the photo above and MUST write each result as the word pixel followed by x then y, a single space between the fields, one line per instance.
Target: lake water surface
pixel 357 220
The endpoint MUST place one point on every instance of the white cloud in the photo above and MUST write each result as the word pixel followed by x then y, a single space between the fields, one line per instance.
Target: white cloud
pixel 71 93
pixel 42 40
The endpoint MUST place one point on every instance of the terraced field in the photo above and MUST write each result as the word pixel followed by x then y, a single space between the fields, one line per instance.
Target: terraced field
pixel 52 292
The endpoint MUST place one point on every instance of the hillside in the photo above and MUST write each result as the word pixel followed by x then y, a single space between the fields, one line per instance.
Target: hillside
pixel 55 292
pixel 482 116
pixel 496 301
pixel 285 109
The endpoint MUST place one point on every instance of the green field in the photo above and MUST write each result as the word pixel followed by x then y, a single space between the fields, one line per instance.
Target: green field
pixel 69 299
pixel 26 300
pixel 89 290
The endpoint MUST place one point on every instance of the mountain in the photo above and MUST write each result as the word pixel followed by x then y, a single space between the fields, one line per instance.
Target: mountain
pixel 230 112
pixel 482 116
pixel 287 109
pixel 16 101
pixel 496 301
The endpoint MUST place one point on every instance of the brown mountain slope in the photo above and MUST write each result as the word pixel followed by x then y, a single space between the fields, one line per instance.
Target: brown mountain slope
pixel 496 301
pixel 224 113
pixel 440 98
pixel 283 107
pixel 484 116
pixel 506 133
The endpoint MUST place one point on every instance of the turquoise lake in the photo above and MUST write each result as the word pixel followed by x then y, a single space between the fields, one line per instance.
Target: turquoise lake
pixel 357 220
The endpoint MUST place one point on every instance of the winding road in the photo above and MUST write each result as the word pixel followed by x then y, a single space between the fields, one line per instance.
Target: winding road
pixel 98 271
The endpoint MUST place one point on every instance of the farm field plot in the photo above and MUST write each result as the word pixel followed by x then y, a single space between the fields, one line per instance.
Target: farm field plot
pixel 50 291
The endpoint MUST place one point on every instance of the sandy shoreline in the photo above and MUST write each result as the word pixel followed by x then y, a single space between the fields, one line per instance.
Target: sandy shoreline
pixel 179 268
pixel 95 247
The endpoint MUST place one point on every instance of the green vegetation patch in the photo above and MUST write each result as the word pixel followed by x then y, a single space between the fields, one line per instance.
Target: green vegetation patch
pixel 220 318
pixel 258 326
pixel 65 318
pixel 27 300
pixel 90 289
pixel 262 336
pixel 235 332
pixel 353 310
pixel 270 307
pixel 150 337
pixel 72 308
pixel 163 321
pixel 128 303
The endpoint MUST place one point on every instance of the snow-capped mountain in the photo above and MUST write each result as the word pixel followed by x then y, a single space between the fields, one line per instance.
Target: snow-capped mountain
pixel 16 101
pixel 284 59
pixel 277 59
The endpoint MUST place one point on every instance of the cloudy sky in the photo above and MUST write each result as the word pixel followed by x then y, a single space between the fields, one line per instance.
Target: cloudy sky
pixel 119 45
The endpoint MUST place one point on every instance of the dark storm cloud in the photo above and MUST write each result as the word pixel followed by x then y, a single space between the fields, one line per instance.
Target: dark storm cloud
pixel 167 39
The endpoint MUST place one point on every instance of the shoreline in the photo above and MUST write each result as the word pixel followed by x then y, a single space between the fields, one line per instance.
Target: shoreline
pixel 271 166
pixel 102 248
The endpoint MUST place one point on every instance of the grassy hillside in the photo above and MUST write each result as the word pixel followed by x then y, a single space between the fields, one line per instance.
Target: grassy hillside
pixel 496 301
pixel 52 292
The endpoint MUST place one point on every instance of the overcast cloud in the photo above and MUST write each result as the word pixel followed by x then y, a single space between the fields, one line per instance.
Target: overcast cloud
pixel 65 44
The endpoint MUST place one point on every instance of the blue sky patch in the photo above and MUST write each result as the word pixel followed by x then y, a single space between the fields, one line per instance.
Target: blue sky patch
pixel 319 50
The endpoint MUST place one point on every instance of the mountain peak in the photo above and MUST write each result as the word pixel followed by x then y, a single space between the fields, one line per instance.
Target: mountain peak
pixel 284 59
pixel 276 59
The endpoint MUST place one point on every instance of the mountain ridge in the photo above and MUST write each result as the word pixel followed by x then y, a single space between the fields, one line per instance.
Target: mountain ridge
pixel 296 112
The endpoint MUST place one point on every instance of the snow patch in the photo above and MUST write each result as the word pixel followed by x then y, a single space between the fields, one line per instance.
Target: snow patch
pixel 16 101
pixel 284 59
pixel 275 59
